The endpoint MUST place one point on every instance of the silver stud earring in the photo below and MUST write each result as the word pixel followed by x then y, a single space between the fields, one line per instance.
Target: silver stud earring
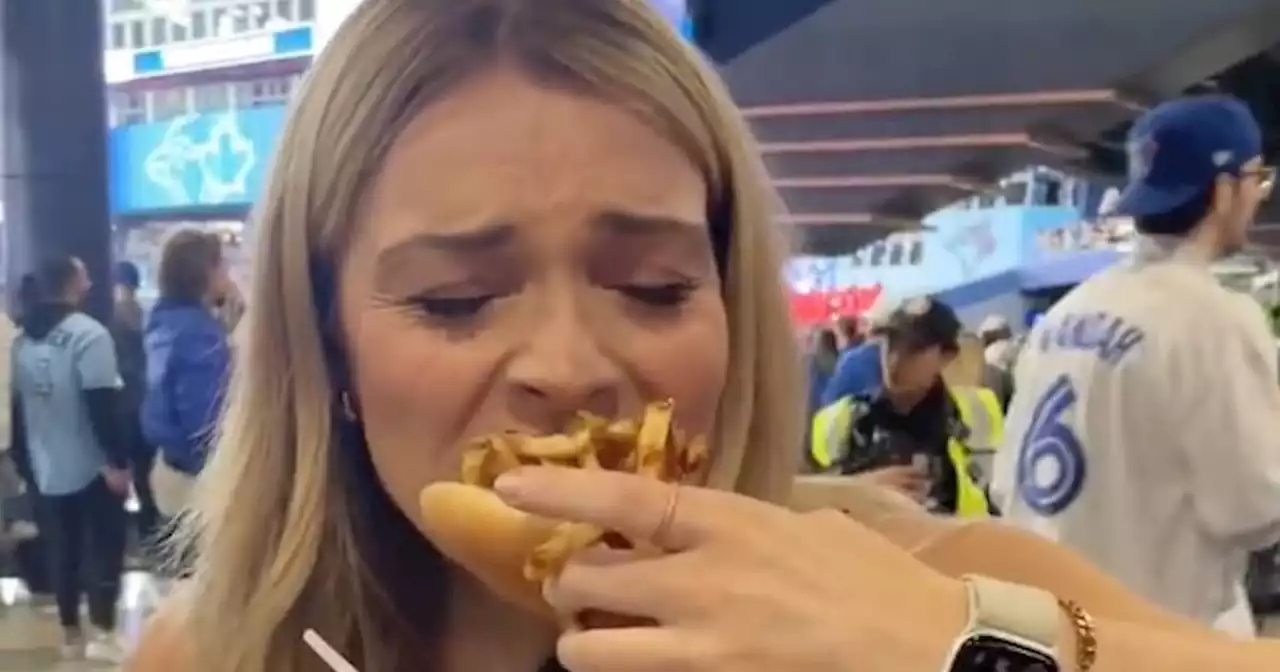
pixel 348 407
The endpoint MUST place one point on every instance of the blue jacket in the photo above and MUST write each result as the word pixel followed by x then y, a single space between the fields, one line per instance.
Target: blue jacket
pixel 188 360
pixel 857 372
pixel 819 376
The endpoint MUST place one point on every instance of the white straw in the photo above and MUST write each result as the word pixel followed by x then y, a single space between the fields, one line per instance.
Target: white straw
pixel 331 657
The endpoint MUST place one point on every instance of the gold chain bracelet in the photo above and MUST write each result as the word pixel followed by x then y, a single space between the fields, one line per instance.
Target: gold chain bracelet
pixel 1086 634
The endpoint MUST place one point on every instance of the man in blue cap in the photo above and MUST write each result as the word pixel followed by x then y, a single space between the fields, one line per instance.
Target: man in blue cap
pixel 1145 432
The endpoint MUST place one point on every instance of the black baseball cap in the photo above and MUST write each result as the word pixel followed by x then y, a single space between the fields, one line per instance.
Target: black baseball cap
pixel 127 275
pixel 920 323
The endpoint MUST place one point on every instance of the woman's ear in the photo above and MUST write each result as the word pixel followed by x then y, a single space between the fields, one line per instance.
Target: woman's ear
pixel 324 300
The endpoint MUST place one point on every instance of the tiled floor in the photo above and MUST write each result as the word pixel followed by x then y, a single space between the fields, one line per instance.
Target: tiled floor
pixel 29 634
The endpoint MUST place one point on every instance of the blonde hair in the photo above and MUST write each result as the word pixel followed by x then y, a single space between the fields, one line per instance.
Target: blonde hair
pixel 275 520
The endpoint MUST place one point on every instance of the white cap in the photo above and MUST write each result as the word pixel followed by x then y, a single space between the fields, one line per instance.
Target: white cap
pixel 878 314
pixel 993 323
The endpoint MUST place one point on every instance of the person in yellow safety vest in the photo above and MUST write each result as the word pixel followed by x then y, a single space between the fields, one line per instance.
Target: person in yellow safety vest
pixel 898 423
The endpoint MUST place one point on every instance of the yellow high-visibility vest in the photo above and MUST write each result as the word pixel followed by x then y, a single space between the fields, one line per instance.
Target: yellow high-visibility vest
pixel 979 410
pixel 830 433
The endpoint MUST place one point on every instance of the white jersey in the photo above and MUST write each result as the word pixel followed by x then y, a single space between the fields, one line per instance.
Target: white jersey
pixel 1145 434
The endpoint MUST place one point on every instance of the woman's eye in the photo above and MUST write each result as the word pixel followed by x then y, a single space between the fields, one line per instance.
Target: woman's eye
pixel 667 295
pixel 452 308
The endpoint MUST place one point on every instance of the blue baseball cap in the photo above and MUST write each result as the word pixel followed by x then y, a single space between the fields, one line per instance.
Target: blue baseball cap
pixel 1179 148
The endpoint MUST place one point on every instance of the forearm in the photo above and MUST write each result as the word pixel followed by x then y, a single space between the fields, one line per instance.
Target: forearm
pixel 104 419
pixel 989 548
pixel 18 449
pixel 1122 646
pixel 1125 647
pixel 1009 554
pixel 1000 551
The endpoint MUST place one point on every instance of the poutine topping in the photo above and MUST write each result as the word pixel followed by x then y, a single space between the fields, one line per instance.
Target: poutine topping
pixel 652 447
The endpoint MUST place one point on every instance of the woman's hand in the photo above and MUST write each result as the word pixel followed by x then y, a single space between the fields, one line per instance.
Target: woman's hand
pixel 117 480
pixel 745 586
pixel 884 510
pixel 908 480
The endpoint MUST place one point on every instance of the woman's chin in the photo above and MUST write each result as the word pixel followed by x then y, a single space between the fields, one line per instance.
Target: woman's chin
pixel 487 632
pixel 470 598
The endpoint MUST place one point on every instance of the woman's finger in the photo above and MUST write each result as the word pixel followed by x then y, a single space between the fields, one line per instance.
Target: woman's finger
pixel 603 556
pixel 657 588
pixel 654 649
pixel 637 507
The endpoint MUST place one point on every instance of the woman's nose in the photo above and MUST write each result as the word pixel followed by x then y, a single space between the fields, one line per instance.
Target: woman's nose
pixel 560 369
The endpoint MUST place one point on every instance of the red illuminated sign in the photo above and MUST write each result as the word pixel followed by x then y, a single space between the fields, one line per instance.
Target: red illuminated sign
pixel 819 307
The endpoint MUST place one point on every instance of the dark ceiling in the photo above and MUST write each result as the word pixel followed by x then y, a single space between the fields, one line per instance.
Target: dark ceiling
pixel 872 113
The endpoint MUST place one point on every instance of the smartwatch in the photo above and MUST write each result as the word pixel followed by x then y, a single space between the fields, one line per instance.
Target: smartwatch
pixel 1012 628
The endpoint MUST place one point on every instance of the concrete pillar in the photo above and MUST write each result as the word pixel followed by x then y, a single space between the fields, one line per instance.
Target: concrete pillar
pixel 53 130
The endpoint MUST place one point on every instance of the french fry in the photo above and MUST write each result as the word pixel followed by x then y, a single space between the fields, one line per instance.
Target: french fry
pixel 651 446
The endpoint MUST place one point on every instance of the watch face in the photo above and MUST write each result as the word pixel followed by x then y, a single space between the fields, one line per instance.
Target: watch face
pixel 984 653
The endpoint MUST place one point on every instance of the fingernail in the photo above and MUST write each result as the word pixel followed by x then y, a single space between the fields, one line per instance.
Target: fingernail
pixel 511 485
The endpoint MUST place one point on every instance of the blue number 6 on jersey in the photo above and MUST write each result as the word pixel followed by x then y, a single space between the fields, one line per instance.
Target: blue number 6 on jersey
pixel 1051 461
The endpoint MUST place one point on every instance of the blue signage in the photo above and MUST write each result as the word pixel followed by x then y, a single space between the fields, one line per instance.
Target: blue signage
pixel 959 246
pixel 1026 247
pixel 195 161
pixel 1052 236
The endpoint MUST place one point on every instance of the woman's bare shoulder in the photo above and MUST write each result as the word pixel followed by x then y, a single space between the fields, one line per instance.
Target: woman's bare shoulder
pixel 164 645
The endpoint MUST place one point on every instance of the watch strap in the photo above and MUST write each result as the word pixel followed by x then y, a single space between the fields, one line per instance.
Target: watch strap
pixel 1024 612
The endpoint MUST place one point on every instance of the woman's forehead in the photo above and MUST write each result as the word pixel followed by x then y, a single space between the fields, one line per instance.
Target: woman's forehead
pixel 504 149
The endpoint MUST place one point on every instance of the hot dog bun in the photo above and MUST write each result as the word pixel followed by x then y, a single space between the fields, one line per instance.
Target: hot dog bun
pixel 512 552
pixel 474 528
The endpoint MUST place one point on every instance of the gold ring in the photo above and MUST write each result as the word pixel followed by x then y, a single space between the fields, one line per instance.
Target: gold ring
pixel 663 529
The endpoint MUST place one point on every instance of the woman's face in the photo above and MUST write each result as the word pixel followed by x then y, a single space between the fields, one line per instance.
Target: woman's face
pixel 526 254
pixel 219 281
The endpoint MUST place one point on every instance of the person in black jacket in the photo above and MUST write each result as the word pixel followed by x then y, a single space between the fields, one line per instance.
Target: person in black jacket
pixel 127 323
pixel 67 444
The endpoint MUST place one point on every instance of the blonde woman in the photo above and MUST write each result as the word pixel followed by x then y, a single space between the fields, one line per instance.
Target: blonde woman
pixel 487 215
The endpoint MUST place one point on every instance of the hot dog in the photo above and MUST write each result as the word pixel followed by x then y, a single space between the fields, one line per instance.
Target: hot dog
pixel 514 553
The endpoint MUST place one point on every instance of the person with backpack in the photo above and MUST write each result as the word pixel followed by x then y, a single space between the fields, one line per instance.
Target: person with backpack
pixel 188 361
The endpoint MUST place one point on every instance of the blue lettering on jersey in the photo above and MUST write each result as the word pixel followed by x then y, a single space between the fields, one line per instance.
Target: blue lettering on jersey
pixel 1107 336
pixel 1051 460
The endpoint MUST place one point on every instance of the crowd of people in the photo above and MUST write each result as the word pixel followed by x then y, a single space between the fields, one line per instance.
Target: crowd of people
pixel 1142 429
pixel 99 411
pixel 533 209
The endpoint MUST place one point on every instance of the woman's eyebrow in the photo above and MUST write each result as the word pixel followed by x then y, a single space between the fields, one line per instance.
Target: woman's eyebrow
pixel 406 255
pixel 623 223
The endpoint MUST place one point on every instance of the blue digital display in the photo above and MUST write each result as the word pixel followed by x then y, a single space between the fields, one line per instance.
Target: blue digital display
pixel 193 162
pixel 219 160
